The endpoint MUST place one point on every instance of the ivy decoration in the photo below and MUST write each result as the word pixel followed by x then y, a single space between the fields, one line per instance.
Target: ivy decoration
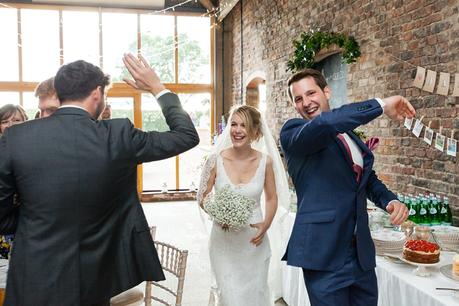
pixel 310 43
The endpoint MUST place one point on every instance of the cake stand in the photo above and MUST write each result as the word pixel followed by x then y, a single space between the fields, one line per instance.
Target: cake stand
pixel 421 269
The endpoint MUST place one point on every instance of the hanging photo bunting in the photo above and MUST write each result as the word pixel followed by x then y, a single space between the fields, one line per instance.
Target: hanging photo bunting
pixel 451 147
pixel 429 85
pixel 428 135
pixel 456 85
pixel 440 142
pixel 417 128
pixel 443 84
pixel 408 123
pixel 420 77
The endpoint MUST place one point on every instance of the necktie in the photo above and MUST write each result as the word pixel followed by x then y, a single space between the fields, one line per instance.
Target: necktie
pixel 357 169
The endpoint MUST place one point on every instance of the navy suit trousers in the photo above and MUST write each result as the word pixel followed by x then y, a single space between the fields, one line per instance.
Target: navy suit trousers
pixel 347 286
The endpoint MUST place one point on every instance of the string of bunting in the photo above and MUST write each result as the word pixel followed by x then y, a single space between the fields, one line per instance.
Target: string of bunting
pixel 426 79
pixel 429 133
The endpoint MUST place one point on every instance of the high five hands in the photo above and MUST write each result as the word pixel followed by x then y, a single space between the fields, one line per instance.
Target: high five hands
pixel 398 108
pixel 145 78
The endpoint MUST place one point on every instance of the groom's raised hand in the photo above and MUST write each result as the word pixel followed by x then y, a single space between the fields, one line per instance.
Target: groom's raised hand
pixel 398 108
pixel 145 78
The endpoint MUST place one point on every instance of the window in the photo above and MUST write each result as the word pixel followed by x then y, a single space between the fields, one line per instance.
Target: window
pixel 178 47
pixel 158 44
pixel 194 49
pixel 198 107
pixel 9 41
pixel 81 39
pixel 119 32
pixel 335 72
pixel 40 44
pixel 8 98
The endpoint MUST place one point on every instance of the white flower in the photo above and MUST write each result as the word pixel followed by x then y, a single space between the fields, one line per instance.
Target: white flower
pixel 229 208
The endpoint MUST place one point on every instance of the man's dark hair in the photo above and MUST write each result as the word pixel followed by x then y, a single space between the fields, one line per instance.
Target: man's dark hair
pixel 75 81
pixel 307 73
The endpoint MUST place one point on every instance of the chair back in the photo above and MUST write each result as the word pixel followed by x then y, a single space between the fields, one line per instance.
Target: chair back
pixel 173 261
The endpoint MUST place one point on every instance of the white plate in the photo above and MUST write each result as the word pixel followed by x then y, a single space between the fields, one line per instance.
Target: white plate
pixel 447 270
pixel 418 263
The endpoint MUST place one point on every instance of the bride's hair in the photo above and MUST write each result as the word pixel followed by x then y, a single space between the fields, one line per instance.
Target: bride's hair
pixel 251 117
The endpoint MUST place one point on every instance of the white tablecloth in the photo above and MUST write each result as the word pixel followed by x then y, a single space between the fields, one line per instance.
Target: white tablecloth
pixel 397 285
pixel 3 272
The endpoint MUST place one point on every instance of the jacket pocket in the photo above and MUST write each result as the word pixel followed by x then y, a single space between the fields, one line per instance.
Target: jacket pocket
pixel 317 217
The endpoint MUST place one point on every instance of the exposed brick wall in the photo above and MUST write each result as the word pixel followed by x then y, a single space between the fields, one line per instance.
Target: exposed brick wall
pixel 420 32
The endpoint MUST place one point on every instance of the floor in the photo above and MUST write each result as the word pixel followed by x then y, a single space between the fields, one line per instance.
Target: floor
pixel 179 223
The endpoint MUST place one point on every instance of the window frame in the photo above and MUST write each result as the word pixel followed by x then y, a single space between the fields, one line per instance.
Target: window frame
pixel 119 89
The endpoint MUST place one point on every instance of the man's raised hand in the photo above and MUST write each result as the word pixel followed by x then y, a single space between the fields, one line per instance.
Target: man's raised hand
pixel 145 78
pixel 398 108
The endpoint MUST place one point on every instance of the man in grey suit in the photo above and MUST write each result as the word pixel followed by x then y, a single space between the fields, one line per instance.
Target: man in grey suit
pixel 81 234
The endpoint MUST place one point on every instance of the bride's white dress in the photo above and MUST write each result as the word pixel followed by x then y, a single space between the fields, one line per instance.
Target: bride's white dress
pixel 240 268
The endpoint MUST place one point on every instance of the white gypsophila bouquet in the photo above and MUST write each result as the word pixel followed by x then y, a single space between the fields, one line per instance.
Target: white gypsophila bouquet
pixel 229 209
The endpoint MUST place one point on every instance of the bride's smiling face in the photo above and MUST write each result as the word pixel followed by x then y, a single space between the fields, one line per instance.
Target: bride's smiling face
pixel 239 134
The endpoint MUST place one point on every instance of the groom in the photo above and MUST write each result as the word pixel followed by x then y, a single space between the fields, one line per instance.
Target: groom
pixel 331 169
pixel 82 236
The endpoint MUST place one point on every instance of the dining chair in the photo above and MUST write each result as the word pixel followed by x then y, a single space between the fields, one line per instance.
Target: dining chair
pixel 173 261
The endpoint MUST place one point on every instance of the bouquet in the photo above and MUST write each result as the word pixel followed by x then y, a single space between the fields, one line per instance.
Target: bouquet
pixel 229 209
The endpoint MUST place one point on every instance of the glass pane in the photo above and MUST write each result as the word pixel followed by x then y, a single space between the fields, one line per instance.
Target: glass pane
pixel 122 107
pixel 194 49
pixel 158 44
pixel 76 45
pixel 157 173
pixel 9 40
pixel 119 32
pixel 8 97
pixel 198 107
pixel 335 72
pixel 40 44
pixel 30 104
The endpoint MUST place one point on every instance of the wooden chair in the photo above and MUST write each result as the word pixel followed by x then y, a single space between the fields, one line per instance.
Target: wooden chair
pixel 173 262
pixel 153 232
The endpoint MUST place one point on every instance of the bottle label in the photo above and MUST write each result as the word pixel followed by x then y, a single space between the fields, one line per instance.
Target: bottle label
pixel 443 210
pixel 422 211
pixel 433 211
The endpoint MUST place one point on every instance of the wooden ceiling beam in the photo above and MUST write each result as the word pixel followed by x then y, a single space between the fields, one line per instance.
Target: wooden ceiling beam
pixel 208 5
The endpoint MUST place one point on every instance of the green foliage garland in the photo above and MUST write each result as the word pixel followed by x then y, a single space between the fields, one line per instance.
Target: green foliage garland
pixel 310 44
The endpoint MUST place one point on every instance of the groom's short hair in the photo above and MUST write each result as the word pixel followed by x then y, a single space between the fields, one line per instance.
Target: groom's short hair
pixel 75 81
pixel 307 73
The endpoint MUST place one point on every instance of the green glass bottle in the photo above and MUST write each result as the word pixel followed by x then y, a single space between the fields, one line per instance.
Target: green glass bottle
pixel 448 218
pixel 424 211
pixel 434 211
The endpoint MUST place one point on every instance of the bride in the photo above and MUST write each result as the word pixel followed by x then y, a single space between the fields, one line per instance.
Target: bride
pixel 246 159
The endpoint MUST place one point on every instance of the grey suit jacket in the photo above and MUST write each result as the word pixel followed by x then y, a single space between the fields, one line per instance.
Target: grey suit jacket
pixel 81 234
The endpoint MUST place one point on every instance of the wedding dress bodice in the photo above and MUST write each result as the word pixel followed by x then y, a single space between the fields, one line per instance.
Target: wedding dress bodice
pixel 253 189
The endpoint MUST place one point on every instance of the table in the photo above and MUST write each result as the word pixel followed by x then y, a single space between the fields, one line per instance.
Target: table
pixel 3 273
pixel 397 285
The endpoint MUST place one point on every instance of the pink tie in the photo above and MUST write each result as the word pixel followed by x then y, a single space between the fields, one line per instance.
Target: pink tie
pixel 357 169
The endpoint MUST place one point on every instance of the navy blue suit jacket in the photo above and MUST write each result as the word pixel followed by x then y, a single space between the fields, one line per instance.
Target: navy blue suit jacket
pixel 331 204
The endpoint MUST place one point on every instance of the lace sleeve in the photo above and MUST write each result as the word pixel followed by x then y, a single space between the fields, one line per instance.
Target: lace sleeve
pixel 205 177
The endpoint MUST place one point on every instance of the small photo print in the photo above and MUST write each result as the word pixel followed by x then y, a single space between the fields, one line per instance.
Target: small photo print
pixel 451 147
pixel 440 142
pixel 428 135
pixel 408 123
pixel 417 128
